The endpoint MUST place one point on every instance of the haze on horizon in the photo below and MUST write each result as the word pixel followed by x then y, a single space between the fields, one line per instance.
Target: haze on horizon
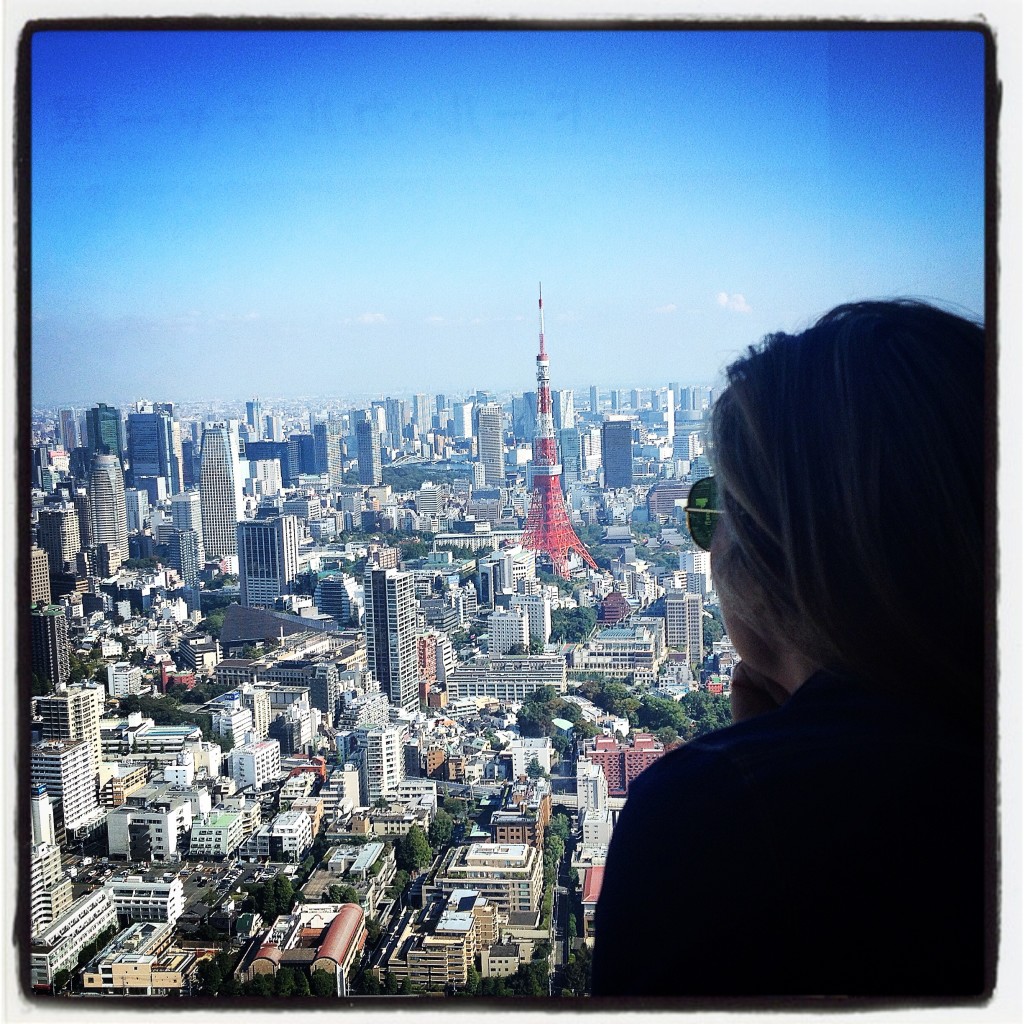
pixel 338 212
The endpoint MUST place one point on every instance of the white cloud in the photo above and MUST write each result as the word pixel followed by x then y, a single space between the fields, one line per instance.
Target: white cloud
pixel 735 302
pixel 671 307
pixel 372 318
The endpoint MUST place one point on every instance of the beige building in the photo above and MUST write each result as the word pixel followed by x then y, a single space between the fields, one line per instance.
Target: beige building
pixel 140 961
pixel 509 875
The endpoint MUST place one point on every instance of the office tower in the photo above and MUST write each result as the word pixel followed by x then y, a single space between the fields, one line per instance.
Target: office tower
pixel 107 511
pixel 389 602
pixel 67 429
pixel 58 534
pixel 548 530
pixel 219 487
pixel 614 399
pixel 151 453
pixel 51 647
pixel 327 439
pixel 563 411
pixel 136 504
pixel 268 559
pixel 595 404
pixel 440 403
pixel 39 576
pixel 395 415
pixel 421 412
pixel 187 514
pixel 697 566
pixel 463 419
pixel 570 447
pixel 524 415
pixel 254 419
pixel 368 453
pixel 65 768
pixel 490 443
pixel 617 453
pixel 103 430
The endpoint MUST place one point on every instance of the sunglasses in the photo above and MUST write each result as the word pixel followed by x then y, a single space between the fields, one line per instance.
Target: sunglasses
pixel 702 511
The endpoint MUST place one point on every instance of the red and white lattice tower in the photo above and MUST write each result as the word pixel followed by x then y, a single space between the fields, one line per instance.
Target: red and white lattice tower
pixel 548 530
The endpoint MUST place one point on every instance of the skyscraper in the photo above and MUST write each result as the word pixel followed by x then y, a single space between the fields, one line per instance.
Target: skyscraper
pixel 58 534
pixel 368 453
pixel 107 511
pixel 595 403
pixel 254 419
pixel 389 600
pixel 186 555
pixel 151 453
pixel 103 429
pixel 563 409
pixel 67 429
pixel 51 647
pixel 219 490
pixel 421 412
pixel 187 514
pixel 268 559
pixel 327 439
pixel 617 453
pixel 491 443
pixel 39 575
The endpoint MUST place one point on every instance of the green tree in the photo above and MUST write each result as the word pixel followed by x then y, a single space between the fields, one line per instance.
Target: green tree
pixel 412 851
pixel 572 625
pixel 708 711
pixel 472 981
pixel 284 894
pixel 323 984
pixel 576 975
pixel 399 884
pixel 343 894
pixel 440 832
pixel 210 977
pixel 302 984
pixel 285 982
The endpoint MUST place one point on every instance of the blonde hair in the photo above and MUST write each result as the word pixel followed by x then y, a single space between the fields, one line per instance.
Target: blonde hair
pixel 851 463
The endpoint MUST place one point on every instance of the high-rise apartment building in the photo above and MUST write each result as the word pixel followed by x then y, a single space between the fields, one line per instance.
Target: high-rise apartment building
pixel 59 535
pixel 220 490
pixel 368 453
pixel 617 453
pixel 595 402
pixel 570 451
pixel 65 768
pixel 563 409
pixel 537 608
pixel 491 443
pixel 107 511
pixel 268 558
pixel 39 576
pixel 394 417
pixel 186 555
pixel 187 514
pixel 103 430
pixel 51 647
pixel 136 505
pixel 462 416
pixel 383 766
pixel 73 713
pixel 421 412
pixel 389 600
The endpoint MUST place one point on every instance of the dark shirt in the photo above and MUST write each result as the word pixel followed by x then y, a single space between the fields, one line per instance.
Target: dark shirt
pixel 834 846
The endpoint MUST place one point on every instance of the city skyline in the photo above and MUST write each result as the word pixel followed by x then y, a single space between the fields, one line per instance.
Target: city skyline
pixel 370 212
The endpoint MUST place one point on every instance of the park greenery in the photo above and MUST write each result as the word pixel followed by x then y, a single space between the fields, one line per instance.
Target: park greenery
pixel 572 625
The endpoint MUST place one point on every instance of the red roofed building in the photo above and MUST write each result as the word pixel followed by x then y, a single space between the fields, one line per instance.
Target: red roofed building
pixel 592 879
pixel 621 762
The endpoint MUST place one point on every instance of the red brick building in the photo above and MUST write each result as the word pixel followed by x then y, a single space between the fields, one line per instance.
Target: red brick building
pixel 622 762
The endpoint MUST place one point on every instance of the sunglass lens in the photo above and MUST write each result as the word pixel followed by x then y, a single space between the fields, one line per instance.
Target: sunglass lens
pixel 702 511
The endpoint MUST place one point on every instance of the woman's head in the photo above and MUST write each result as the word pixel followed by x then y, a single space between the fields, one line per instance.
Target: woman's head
pixel 851 464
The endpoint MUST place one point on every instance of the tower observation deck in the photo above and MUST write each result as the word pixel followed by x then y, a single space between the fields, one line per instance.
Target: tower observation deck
pixel 548 530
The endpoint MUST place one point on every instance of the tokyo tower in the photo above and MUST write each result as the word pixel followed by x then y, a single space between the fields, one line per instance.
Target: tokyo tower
pixel 548 530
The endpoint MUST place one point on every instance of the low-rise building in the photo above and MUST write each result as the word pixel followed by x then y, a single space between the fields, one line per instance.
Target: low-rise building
pixel 509 875
pixel 57 947
pixel 140 961
pixel 142 898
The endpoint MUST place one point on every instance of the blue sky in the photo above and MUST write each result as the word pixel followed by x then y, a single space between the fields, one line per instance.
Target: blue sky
pixel 317 213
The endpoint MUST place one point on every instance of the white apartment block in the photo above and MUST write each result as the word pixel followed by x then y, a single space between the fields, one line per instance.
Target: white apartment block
pixel 505 629
pixel 684 613
pixel 73 713
pixel 123 679
pixel 58 946
pixel 147 899
pixel 255 764
pixel 538 612
pixel 528 749
pixel 383 766
pixel 218 835
pixel 50 891
pixel 287 837
pixel 592 800
pixel 231 719
pixel 65 768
